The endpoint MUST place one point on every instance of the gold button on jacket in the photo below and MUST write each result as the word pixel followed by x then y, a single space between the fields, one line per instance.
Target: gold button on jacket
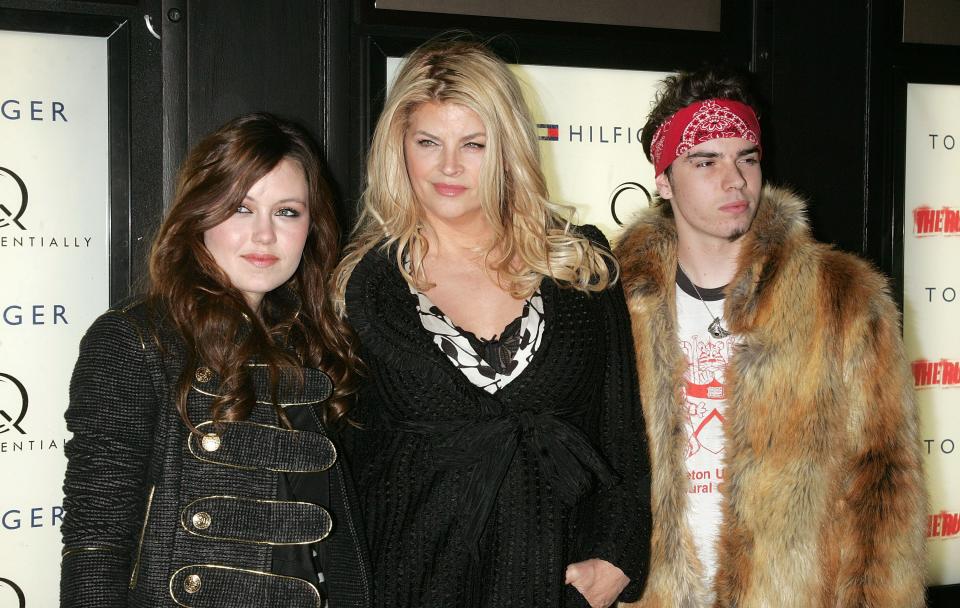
pixel 201 520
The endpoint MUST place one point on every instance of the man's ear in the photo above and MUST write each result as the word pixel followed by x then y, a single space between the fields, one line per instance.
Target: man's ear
pixel 664 189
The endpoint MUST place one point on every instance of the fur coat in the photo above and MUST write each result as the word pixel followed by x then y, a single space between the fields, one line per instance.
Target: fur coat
pixel 823 501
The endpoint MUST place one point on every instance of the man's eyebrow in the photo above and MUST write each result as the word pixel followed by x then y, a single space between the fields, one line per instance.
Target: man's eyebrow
pixel 703 154
pixel 706 154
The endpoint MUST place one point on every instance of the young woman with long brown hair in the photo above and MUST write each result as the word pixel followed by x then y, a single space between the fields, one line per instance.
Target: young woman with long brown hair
pixel 201 472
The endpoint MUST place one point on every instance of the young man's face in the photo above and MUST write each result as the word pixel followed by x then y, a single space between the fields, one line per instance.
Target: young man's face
pixel 714 188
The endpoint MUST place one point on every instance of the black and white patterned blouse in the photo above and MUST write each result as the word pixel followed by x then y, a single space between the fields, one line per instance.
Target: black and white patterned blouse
pixel 488 364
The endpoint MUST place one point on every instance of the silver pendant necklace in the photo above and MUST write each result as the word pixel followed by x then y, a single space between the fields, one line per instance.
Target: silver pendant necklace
pixel 716 328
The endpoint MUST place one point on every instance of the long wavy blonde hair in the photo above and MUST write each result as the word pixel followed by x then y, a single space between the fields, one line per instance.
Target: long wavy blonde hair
pixel 532 235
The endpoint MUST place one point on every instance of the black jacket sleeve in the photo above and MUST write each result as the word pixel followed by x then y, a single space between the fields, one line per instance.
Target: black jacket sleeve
pixel 112 412
pixel 615 523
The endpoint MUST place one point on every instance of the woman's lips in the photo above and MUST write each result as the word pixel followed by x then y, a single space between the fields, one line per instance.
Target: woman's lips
pixel 449 189
pixel 261 260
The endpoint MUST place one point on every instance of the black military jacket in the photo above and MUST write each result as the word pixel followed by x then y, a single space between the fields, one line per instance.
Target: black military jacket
pixel 157 516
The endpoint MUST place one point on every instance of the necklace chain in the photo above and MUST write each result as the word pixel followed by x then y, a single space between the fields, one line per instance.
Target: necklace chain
pixel 716 328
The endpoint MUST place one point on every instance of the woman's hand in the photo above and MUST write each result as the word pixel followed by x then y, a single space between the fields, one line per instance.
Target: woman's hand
pixel 598 581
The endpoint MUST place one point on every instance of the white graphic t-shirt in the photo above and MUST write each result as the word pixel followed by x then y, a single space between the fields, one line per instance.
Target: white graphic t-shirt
pixel 704 400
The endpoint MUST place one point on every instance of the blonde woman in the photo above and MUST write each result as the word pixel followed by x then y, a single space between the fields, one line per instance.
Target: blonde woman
pixel 501 455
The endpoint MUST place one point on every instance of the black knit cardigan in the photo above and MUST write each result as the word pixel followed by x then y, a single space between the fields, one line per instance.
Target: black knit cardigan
pixel 472 499
pixel 155 517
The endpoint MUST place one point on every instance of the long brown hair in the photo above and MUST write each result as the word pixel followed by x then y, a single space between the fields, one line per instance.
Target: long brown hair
pixel 296 323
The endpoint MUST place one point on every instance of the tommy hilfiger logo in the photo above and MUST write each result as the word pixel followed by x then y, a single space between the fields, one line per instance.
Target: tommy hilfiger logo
pixel 588 133
pixel 548 132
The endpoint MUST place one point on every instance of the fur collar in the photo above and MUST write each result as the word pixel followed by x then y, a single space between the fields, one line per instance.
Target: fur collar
pixel 647 252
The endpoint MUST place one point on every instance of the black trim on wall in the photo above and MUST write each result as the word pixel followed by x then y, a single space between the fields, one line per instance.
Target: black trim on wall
pixel 223 58
pixel 121 205
pixel 173 25
pixel 945 596
pixel 335 112
pixel 812 69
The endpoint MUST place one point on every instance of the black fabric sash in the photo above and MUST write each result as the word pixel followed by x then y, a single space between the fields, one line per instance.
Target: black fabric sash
pixel 570 462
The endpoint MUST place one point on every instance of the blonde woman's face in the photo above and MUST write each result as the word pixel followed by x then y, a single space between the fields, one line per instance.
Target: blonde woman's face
pixel 444 147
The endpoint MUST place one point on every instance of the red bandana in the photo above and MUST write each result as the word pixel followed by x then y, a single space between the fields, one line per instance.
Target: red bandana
pixel 700 122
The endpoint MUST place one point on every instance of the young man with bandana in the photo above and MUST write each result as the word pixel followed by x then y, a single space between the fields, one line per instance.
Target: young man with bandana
pixel 782 429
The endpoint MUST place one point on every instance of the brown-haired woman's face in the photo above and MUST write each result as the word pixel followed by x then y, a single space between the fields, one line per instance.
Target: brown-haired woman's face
pixel 259 247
